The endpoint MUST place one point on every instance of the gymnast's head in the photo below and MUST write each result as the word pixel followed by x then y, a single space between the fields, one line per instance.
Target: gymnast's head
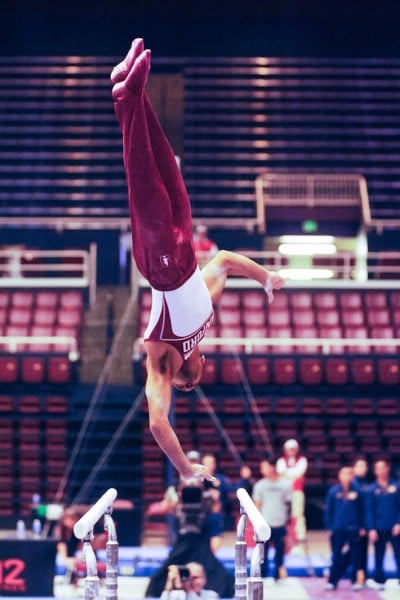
pixel 190 372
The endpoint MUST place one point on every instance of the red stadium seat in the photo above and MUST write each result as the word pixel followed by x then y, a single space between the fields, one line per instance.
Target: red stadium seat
pixel 6 404
pixel 378 317
pixel 40 330
pixel 3 316
pixel 383 333
pixel 231 371
pixel 375 300
pixel 252 333
pixel 286 406
pixel 371 446
pixel 313 428
pixel 395 299
pixel 362 371
pixel 29 404
pixel 22 299
pixel 316 445
pixel 58 369
pixel 336 371
pixel 32 369
pixel 46 299
pixel 344 444
pixel 367 428
pixel 312 406
pixel 13 331
pixel 229 317
pixel 339 428
pixel 258 370
pixel 281 301
pixel 350 301
pixel 255 300
pixel 279 317
pixel 337 406
pixel 328 318
pixel 8 369
pixel 283 333
pixel 64 332
pixel 362 406
pixel 45 315
pixel 332 333
pixel 389 371
pixel 4 299
pixel 301 300
pixel 284 371
pixel 325 301
pixel 230 299
pixel 353 318
pixel 311 372
pixel 307 332
pixel 19 316
pixel 303 318
pixel 57 404
pixel 71 300
pixel 67 317
pixel 360 333
pixel 254 318
pixel 227 332
pixel 388 407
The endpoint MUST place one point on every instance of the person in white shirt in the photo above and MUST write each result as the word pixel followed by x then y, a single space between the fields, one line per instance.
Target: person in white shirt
pixel 293 465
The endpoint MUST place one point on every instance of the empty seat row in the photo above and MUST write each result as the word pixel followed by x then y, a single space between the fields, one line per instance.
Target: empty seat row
pixel 67 317
pixel 305 371
pixel 321 300
pixel 70 299
pixel 26 404
pixel 36 369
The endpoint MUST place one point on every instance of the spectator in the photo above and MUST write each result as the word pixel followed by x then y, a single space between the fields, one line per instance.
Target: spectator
pixel 344 518
pixel 273 496
pixel 362 483
pixel 294 466
pixel 205 248
pixel 383 518
pixel 68 545
pixel 218 490
pixel 246 480
pixel 191 579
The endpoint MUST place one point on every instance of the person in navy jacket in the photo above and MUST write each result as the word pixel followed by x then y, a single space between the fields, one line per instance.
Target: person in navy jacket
pixel 362 482
pixel 383 517
pixel 344 518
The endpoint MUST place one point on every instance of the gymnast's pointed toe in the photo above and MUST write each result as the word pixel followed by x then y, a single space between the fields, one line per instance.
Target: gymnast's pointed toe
pixel 121 70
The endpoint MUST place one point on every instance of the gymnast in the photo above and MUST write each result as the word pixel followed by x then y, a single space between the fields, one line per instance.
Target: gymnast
pixel 162 246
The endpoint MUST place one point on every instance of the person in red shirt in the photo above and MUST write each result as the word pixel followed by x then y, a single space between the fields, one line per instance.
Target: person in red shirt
pixel 293 465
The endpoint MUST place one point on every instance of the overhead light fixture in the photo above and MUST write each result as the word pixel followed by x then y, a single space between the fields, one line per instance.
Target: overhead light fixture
pixel 306 274
pixel 306 245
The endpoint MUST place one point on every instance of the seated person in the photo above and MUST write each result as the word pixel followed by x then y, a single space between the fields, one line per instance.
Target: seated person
pixel 190 578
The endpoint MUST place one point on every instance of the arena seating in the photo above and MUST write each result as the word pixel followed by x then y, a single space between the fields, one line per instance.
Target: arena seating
pixel 40 313
pixel 33 448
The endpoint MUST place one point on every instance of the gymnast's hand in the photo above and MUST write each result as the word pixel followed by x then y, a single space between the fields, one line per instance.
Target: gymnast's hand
pixel 200 472
pixel 274 282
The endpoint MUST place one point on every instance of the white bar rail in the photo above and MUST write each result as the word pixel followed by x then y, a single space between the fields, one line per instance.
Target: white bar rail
pixel 261 528
pixel 86 523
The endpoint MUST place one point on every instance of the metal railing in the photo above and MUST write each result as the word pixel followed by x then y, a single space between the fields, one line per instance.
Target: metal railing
pixel 24 268
pixel 16 343
pixel 311 190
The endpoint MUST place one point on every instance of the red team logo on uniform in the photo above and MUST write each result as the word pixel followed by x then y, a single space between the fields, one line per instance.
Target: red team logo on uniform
pixel 165 260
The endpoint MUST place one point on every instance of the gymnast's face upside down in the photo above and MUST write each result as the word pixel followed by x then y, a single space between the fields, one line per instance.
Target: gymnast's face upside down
pixel 190 373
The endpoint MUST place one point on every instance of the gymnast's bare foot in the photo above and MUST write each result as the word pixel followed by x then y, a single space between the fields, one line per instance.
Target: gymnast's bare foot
pixel 136 78
pixel 121 70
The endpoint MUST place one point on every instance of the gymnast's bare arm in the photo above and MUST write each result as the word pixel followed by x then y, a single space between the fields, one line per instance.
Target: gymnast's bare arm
pixel 226 263
pixel 162 364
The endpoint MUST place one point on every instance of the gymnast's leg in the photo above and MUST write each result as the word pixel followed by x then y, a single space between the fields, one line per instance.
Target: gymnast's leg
pixel 163 254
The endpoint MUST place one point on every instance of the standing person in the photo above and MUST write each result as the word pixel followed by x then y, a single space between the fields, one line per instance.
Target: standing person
pixel 293 465
pixel 218 487
pixel 162 245
pixel 273 496
pixel 362 483
pixel 205 248
pixel 383 518
pixel 344 519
